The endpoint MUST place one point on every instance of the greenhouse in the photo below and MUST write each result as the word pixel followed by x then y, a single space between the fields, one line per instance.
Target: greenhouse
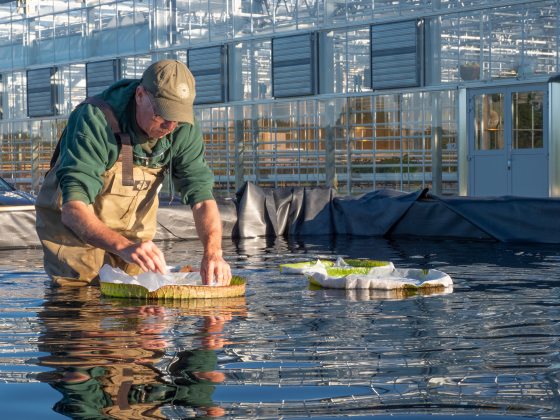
pixel 455 96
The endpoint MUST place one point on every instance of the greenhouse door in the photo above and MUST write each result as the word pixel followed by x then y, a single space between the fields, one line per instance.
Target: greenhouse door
pixel 508 142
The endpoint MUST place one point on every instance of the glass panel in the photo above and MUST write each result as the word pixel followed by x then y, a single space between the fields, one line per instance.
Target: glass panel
pixel 339 61
pixel 16 154
pixel 197 21
pixel 358 60
pixel 5 46
pixel 73 81
pixel 74 4
pixel 243 13
pixel 6 10
pixel 133 67
pixel 44 135
pixel 62 6
pixel 164 23
pixel 20 42
pixel 284 14
pixel 220 145
pixel 220 20
pixel 307 13
pixel 335 11
pixel 521 40
pixel 388 139
pixel 340 134
pixel 503 34
pixel 449 154
pixel 514 41
pixel 41 40
pixel 311 159
pixel 360 130
pixel 263 144
pixel 182 18
pixel 77 28
pixel 252 124
pixel 416 157
pixel 540 43
pixel 36 8
pixel 61 38
pixel 286 140
pixel 489 117
pixel 133 29
pixel 16 89
pixel 103 24
pixel 392 8
pixel 528 129
pixel 262 51
pixel 347 53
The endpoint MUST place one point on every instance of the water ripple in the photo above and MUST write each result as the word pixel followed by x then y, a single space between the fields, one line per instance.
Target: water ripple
pixel 488 348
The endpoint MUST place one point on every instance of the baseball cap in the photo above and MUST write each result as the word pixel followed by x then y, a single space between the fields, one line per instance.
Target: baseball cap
pixel 172 86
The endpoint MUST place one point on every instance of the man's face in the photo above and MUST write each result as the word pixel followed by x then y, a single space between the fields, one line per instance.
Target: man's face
pixel 154 125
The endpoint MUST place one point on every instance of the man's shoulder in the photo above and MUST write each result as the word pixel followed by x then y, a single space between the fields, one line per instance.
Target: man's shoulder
pixel 188 132
pixel 119 93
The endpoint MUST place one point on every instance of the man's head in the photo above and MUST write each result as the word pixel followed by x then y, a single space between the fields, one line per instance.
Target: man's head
pixel 165 97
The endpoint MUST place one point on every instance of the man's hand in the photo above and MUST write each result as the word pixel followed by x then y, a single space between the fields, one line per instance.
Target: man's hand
pixel 146 255
pixel 214 270
pixel 81 219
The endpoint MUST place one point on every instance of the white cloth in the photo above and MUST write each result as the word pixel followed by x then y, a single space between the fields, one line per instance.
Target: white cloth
pixel 150 280
pixel 397 279
pixel 378 278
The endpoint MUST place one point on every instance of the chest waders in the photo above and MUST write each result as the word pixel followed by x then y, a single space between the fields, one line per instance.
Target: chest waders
pixel 127 204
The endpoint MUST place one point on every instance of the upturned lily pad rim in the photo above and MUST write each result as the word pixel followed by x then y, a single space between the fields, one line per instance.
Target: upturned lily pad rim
pixel 120 290
pixel 353 262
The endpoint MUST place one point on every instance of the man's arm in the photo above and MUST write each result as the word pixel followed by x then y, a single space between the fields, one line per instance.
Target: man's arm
pixel 78 217
pixel 209 228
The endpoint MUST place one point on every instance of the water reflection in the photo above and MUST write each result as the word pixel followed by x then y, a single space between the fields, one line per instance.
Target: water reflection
pixel 488 348
pixel 356 295
pixel 120 359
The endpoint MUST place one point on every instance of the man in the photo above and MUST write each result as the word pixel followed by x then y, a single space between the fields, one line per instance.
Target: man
pixel 98 202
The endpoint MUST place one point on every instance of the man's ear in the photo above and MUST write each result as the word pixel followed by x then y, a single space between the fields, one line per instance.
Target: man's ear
pixel 138 94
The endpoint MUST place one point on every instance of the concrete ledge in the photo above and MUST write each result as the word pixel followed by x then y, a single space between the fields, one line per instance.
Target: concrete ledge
pixel 17 224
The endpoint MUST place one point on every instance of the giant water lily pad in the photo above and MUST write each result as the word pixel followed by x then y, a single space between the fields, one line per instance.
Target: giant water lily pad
pixel 116 283
pixel 396 279
pixel 370 274
pixel 302 267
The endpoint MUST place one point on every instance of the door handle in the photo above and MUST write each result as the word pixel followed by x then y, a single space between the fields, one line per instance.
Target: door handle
pixel 509 164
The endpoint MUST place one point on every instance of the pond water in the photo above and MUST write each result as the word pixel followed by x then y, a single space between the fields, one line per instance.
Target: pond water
pixel 488 349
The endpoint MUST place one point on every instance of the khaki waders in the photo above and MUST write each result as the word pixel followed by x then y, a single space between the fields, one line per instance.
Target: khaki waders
pixel 128 210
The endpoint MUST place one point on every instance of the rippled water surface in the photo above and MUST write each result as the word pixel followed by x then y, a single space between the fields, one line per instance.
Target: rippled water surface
pixel 490 348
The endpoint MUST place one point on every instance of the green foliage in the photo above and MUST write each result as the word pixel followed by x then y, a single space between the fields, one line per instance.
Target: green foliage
pixel 366 263
pixel 236 280
pixel 305 264
pixel 344 271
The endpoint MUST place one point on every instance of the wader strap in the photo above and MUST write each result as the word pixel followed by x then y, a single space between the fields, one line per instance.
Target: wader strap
pixel 122 138
pixel 126 158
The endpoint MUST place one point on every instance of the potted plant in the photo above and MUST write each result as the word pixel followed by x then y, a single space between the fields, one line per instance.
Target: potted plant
pixel 469 71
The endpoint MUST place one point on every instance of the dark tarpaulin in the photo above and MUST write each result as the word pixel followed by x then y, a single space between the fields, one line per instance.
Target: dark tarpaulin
pixel 318 211
pixel 511 219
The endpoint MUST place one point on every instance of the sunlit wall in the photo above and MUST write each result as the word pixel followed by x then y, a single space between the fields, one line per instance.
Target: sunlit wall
pixel 346 135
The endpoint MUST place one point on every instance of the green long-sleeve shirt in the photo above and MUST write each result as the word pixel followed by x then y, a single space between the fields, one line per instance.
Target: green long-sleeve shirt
pixel 88 148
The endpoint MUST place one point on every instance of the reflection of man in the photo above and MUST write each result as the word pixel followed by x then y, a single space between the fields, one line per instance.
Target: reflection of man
pixel 98 202
pixel 107 366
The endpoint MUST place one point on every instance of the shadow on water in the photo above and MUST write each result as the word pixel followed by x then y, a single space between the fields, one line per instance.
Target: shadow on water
pixel 120 359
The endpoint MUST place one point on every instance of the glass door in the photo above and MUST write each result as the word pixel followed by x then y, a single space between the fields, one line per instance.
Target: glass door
pixel 507 141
